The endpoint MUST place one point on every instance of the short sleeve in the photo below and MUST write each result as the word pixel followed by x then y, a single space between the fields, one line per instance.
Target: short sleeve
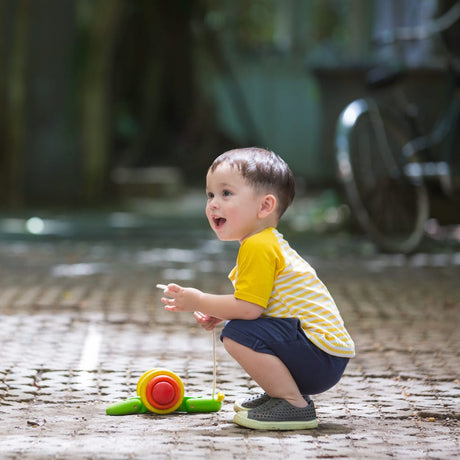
pixel 257 264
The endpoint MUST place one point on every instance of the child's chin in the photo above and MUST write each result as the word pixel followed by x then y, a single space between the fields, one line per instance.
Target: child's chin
pixel 223 237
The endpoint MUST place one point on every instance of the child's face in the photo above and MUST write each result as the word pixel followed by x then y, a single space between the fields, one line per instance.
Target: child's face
pixel 233 205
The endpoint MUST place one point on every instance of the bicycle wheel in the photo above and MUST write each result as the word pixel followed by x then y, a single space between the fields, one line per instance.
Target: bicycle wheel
pixel 391 208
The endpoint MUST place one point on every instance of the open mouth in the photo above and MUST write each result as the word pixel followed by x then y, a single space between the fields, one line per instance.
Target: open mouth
pixel 219 222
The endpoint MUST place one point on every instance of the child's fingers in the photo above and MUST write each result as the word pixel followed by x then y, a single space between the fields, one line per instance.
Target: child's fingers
pixel 200 316
pixel 203 320
pixel 171 287
pixel 167 301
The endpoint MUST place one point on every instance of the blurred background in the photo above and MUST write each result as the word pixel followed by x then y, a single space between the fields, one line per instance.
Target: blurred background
pixel 102 101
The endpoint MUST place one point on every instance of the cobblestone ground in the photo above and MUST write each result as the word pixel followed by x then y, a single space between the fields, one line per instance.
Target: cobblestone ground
pixel 81 321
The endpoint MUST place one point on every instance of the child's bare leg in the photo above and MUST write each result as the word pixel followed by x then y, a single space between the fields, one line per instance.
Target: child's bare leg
pixel 266 370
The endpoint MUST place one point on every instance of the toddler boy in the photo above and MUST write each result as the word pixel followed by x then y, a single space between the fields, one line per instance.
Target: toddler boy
pixel 283 326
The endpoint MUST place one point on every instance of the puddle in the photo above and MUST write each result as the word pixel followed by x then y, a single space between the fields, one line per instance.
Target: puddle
pixel 81 269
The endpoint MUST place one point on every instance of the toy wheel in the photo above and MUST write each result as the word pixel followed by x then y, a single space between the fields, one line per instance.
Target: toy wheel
pixel 161 391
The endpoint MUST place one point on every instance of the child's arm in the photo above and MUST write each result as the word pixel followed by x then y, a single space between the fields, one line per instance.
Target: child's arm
pixel 220 306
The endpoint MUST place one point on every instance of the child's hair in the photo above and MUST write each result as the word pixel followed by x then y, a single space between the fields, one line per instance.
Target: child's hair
pixel 264 170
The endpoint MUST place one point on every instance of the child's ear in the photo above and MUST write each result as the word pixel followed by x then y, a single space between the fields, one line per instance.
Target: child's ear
pixel 267 206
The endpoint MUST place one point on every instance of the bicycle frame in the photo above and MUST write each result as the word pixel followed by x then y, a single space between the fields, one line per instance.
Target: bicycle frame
pixel 442 166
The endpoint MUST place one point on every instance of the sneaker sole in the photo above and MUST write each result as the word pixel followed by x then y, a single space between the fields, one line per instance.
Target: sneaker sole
pixel 237 407
pixel 241 418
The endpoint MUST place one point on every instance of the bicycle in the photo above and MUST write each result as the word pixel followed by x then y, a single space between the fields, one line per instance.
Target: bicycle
pixel 387 164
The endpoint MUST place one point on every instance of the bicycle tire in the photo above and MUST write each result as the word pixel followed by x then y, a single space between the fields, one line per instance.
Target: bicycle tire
pixel 389 207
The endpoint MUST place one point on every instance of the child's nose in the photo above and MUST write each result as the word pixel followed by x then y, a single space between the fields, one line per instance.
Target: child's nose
pixel 213 203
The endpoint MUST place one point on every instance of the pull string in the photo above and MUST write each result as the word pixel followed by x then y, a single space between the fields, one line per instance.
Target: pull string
pixel 214 368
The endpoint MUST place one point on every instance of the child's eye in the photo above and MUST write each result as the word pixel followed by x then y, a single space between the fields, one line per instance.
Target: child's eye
pixel 210 195
pixel 226 193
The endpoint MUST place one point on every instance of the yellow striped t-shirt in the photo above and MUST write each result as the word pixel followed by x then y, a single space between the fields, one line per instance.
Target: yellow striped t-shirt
pixel 271 274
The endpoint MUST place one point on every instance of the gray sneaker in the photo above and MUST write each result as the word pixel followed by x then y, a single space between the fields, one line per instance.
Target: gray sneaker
pixel 255 401
pixel 278 414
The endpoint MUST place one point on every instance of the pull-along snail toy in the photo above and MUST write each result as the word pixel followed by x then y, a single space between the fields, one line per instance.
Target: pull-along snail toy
pixel 161 391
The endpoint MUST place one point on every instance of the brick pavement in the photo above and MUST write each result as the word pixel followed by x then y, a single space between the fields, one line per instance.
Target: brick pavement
pixel 81 321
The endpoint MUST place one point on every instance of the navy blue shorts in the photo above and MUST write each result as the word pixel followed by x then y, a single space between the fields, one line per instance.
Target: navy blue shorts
pixel 314 370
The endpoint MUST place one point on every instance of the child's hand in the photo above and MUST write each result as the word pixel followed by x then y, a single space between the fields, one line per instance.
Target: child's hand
pixel 180 298
pixel 205 321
